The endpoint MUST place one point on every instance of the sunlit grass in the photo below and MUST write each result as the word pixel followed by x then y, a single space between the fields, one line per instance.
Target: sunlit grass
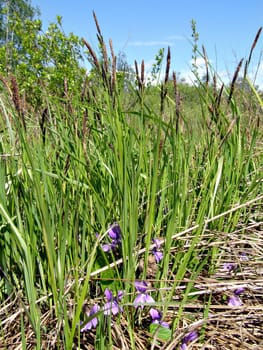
pixel 194 183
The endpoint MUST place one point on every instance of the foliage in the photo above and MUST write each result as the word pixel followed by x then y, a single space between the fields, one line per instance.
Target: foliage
pixel 10 13
pixel 44 61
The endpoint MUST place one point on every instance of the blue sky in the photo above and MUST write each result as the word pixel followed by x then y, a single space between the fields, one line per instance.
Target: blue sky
pixel 140 28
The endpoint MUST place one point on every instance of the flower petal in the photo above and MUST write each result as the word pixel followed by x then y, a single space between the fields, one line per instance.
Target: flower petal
pixel 157 242
pixel 234 301
pixel 106 247
pixel 190 337
pixel 120 294
pixel 115 232
pixel 94 309
pixel 158 256
pixel 164 324
pixel 230 266
pixel 239 290
pixel 108 294
pixel 141 286
pixel 155 314
pixel 149 299
pixel 112 307
pixel 140 299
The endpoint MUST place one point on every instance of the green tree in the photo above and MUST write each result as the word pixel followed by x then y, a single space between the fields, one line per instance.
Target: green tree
pixel 43 61
pixel 10 12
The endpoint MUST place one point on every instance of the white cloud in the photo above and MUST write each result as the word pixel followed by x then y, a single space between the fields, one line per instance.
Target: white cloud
pixel 190 78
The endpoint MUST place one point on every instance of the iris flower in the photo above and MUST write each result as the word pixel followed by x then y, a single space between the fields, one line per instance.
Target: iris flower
pixel 156 250
pixel 94 321
pixel 188 339
pixel 156 316
pixel 143 297
pixel 114 234
pixel 230 267
pixel 112 305
pixel 234 300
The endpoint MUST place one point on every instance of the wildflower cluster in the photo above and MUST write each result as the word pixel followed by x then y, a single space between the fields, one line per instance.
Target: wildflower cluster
pixel 114 234
pixel 111 307
pixel 234 300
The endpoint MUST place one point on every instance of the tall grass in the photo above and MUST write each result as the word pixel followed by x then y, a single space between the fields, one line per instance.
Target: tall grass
pixel 93 163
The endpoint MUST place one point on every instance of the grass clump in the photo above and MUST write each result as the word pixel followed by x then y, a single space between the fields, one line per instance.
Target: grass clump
pixel 127 219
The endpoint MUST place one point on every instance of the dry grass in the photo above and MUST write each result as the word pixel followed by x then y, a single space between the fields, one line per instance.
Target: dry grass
pixel 224 327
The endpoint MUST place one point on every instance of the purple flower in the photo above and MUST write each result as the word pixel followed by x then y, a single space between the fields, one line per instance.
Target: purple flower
pixel 234 301
pixel 188 339
pixel 156 316
pixel 156 252
pixel 141 286
pixel 239 290
pixel 230 267
pixel 112 306
pixel 143 297
pixel 158 255
pixel 115 233
pixel 243 256
pixel 115 236
pixel 107 247
pixel 94 321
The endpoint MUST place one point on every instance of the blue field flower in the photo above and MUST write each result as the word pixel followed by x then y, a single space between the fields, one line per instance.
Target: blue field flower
pixel 143 297
pixel 112 305
pixel 94 321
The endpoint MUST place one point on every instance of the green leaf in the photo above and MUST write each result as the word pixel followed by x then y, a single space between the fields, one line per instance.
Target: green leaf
pixel 162 333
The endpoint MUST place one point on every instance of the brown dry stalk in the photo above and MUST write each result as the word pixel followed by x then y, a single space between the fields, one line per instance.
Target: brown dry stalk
pixel 111 49
pixel 15 95
pixel 92 53
pixel 43 123
pixel 252 49
pixel 142 73
pixel 113 73
pixel 137 75
pixel 214 85
pixel 206 65
pixel 17 100
pixel 166 78
pixel 168 62
pixel 96 23
pixel 104 54
pixel 218 99
pixel 66 88
pixel 234 80
pixel 177 103
pixel 113 65
pixel 102 43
